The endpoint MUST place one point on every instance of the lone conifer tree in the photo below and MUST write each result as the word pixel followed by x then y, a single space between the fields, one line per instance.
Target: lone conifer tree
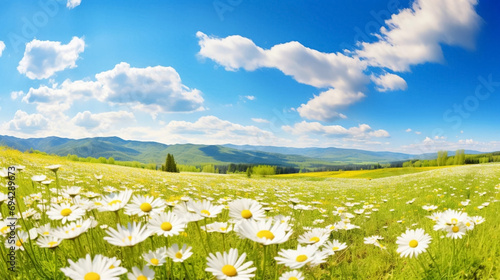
pixel 170 165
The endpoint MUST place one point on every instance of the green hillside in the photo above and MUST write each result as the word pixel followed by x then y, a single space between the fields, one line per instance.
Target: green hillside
pixel 191 154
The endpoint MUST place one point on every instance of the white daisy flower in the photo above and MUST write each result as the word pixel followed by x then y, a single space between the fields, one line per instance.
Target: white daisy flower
pixel 316 236
pixel 44 230
pixel 456 230
pixel 295 259
pixel 264 231
pixel 478 220
pixel 222 227
pixel 65 212
pixel 115 201
pixel 246 209
pixel 72 230
pixel 205 208
pixel 127 236
pixel 230 266
pixel 99 268
pixel 157 257
pixel 292 275
pixel 330 247
pixel 179 255
pixel 38 178
pixel 450 217
pixel 54 167
pixel 413 242
pixel 18 243
pixel 145 205
pixel 372 239
pixel 6 228
pixel 182 211
pixel 166 224
pixel 145 274
pixel 48 241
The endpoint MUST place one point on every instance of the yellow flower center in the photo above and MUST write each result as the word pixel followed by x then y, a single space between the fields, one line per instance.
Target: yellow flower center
pixel 52 243
pixel 301 258
pixel 92 276
pixel 146 207
pixel 155 261
pixel 46 233
pixel 19 243
pixel 246 214
pixel 178 255
pixel 335 248
pixel 413 243
pixel 66 212
pixel 111 267
pixel 314 239
pixel 166 226
pixel 332 227
pixel 454 221
pixel 114 202
pixel 455 229
pixel 4 229
pixel 205 212
pixel 265 233
pixel 130 238
pixel 223 229
pixel 293 278
pixel 467 224
pixel 142 277
pixel 229 270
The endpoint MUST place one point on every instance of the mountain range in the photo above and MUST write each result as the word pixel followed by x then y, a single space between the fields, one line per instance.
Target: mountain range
pixel 195 154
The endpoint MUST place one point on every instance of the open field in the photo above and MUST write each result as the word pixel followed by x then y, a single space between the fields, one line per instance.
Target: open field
pixel 362 174
pixel 347 209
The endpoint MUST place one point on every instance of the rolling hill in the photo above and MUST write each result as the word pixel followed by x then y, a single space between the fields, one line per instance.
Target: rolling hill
pixel 193 154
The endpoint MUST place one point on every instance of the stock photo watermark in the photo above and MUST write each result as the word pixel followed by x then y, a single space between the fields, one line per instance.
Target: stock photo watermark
pixel 224 6
pixel 458 112
pixel 11 221
pixel 32 24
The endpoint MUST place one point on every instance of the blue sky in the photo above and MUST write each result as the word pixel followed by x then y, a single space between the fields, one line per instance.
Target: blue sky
pixel 409 76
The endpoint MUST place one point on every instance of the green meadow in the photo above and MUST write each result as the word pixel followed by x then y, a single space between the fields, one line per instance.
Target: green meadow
pixel 391 202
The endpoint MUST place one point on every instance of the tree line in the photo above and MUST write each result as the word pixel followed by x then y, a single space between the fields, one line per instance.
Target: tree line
pixel 460 158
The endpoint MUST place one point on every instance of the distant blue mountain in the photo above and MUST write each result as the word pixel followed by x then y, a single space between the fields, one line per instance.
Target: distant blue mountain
pixel 153 152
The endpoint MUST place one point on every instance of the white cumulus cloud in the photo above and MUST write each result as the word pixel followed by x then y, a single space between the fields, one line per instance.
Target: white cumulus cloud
pixel 362 131
pixel 42 59
pixel 413 36
pixel 325 106
pixel 342 75
pixel 305 65
pixel 151 89
pixel 389 82
pixel 71 4
pixel 103 121
pixel 27 122
pixel 212 130
pixel 2 47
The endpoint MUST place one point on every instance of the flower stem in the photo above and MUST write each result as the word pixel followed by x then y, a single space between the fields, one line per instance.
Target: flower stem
pixel 264 262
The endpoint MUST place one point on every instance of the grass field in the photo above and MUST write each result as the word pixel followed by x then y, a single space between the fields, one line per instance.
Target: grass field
pixel 343 206
pixel 363 174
